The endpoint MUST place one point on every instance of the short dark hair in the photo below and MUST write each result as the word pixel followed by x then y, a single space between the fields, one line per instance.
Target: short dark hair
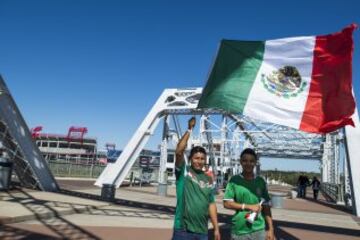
pixel 197 149
pixel 248 151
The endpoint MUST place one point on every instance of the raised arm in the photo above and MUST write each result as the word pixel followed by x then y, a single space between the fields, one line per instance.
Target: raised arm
pixel 181 146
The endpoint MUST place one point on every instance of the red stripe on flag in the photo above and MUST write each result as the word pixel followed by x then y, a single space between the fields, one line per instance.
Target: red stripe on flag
pixel 330 103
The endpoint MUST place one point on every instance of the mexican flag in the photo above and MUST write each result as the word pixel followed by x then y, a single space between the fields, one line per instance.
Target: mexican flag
pixel 300 82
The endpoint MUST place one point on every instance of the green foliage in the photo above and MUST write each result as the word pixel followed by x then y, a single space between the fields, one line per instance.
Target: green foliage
pixel 289 177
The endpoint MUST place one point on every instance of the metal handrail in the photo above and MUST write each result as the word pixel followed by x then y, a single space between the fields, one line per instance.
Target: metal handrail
pixel 334 191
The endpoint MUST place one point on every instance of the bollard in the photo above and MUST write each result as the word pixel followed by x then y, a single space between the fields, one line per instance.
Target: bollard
pixel 162 189
pixel 108 192
pixel 277 199
pixel 131 179
pixel 5 174
pixel 293 194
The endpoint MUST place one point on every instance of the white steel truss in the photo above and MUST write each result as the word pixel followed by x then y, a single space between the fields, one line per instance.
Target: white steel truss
pixel 234 132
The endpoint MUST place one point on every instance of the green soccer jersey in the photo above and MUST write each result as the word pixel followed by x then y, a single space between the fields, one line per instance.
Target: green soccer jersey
pixel 194 194
pixel 245 191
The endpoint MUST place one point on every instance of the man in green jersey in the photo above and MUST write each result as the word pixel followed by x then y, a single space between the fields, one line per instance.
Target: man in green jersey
pixel 243 194
pixel 194 193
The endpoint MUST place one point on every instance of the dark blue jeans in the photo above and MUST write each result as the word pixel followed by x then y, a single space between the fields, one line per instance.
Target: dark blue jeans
pixel 184 235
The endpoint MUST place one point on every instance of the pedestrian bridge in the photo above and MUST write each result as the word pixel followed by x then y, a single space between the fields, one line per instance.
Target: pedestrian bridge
pixel 235 132
pixel 225 135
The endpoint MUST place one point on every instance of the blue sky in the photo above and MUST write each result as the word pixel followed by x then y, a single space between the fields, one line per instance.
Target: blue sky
pixel 103 64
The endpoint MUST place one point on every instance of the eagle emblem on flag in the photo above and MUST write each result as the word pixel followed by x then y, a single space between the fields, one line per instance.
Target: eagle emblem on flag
pixel 285 82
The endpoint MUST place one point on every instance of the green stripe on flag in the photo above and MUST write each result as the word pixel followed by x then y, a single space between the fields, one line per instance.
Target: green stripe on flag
pixel 233 75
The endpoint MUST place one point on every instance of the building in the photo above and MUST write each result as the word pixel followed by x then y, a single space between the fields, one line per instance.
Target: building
pixel 73 147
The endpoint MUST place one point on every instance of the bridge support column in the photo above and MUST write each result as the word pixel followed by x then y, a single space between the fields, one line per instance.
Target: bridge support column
pixel 352 143
pixel 162 187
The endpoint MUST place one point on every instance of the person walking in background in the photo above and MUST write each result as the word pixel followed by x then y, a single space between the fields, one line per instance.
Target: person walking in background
pixel 299 189
pixel 195 200
pixel 315 184
pixel 305 184
pixel 248 196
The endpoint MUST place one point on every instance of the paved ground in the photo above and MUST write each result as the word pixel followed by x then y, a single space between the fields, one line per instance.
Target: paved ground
pixel 139 213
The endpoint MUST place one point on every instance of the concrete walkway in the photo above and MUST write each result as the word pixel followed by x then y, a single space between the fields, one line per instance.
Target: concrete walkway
pixel 139 213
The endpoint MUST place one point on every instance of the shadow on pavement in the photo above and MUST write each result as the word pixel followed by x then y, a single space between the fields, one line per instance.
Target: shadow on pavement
pixel 66 230
pixel 280 234
pixel 9 232
pixel 53 221
pixel 330 205
pixel 135 204
pixel 318 228
pixel 122 202
pixel 224 218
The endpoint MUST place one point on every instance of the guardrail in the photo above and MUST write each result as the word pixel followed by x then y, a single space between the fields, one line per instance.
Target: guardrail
pixel 66 169
pixel 61 169
pixel 334 191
